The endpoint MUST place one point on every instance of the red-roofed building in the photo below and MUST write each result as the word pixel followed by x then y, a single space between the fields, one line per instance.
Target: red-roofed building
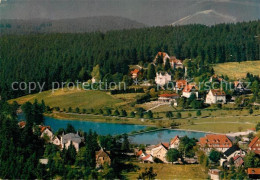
pixel 176 63
pixel 215 141
pixel 254 145
pixel 181 84
pixel 189 90
pixel 21 124
pixel 175 142
pixel 163 55
pixel 238 161
pixel 147 159
pixel 216 96
pixel 140 154
pixel 253 173
pixel 135 73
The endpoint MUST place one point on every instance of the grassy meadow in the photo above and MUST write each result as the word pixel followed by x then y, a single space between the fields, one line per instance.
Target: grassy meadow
pixel 169 171
pixel 236 70
pixel 79 98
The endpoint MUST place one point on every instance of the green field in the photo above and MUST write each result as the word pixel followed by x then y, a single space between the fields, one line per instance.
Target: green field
pixel 79 98
pixel 235 70
pixel 168 171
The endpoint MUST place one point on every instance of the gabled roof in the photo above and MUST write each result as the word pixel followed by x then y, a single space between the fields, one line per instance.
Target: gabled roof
pixel 102 153
pixel 22 124
pixel 189 88
pixel 135 71
pixel 253 142
pixel 71 137
pixel 42 128
pixel 146 157
pixel 163 54
pixel 253 171
pixel 218 92
pixel 181 84
pixel 231 150
pixel 166 145
pixel 169 95
pixel 215 141
pixel 174 139
pixel 139 153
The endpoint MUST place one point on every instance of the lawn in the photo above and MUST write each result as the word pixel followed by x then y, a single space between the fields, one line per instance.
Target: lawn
pixel 235 70
pixel 78 98
pixel 168 171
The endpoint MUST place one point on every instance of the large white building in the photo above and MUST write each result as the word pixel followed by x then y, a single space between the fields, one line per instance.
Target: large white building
pixel 162 78
pixel 71 138
pixel 216 96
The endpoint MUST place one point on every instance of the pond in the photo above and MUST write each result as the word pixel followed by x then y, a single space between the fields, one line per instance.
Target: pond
pixel 113 129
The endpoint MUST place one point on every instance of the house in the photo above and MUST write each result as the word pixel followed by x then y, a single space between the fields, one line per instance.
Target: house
pixel 163 55
pixel 56 141
pixel 214 174
pixel 233 152
pixel 216 96
pixel 189 90
pixel 176 63
pixel 215 141
pixel 147 159
pixel 254 145
pixel 175 142
pixel 180 85
pixel 168 98
pixel 135 73
pixel 253 173
pixel 102 157
pixel 160 151
pixel 162 78
pixel 238 161
pixel 21 124
pixel 71 138
pixel 140 154
pixel 46 132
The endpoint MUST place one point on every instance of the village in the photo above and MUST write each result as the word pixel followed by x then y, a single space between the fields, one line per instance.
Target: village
pixel 175 86
pixel 219 153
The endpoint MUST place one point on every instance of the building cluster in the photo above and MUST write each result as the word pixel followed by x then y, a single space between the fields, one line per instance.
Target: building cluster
pixel 218 142
pixel 184 87
pixel 65 140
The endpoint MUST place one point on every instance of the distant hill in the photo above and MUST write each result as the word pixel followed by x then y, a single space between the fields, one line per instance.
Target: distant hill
pixel 208 17
pixel 77 25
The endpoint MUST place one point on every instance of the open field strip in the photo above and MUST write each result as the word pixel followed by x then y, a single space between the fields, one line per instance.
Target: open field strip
pixel 169 171
pixel 236 70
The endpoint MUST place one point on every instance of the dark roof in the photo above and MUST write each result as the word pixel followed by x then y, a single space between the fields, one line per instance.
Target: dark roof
pixel 231 150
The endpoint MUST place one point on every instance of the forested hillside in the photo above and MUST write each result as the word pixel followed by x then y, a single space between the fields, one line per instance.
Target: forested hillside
pixel 70 57
pixel 77 25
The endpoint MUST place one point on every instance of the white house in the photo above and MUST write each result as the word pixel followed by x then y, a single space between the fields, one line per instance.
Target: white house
pixel 162 78
pixel 232 152
pixel 46 131
pixel 216 96
pixel 189 90
pixel 71 138
pixel 160 151
pixel 175 142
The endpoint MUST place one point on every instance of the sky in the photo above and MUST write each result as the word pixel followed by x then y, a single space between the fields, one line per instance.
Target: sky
pixel 150 12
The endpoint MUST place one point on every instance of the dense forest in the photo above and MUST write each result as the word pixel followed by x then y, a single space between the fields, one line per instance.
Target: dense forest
pixel 70 57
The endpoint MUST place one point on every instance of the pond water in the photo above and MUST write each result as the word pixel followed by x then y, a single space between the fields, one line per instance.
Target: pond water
pixel 165 135
pixel 113 129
